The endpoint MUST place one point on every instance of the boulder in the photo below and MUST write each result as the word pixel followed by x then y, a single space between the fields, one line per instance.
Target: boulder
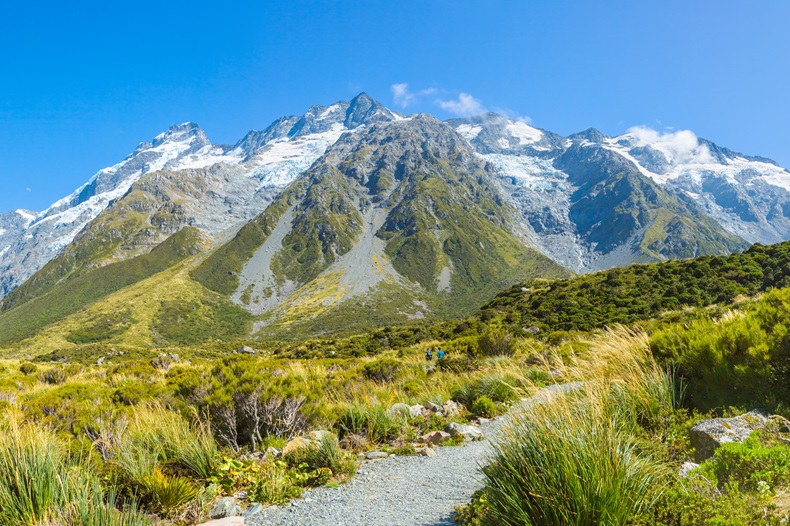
pixel 375 455
pixel 225 507
pixel 416 410
pixel 295 444
pixel 450 408
pixel 687 468
pixel 466 431
pixel 706 436
pixel 399 410
pixel 246 349
pixel 273 452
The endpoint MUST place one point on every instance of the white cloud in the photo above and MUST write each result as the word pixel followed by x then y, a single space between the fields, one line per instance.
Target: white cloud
pixel 403 97
pixel 465 106
pixel 28 189
pixel 512 115
pixel 681 147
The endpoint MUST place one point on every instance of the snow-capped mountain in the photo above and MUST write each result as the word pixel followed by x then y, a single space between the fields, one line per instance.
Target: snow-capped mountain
pixel 588 201
pixel 548 179
pixel 244 179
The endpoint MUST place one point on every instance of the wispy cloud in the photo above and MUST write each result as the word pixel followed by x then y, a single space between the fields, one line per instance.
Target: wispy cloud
pixel 512 115
pixel 464 106
pixel 681 146
pixel 403 97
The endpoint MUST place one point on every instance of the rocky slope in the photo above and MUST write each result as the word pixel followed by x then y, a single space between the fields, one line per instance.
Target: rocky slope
pixel 402 217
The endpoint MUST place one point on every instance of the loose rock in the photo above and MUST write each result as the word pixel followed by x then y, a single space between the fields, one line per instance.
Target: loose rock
pixel 426 452
pixel 435 437
pixel 375 455
pixel 468 432
pixel 416 410
pixel 706 436
pixel 227 521
pixel 225 507
pixel 252 510
pixel 686 468
pixel 451 408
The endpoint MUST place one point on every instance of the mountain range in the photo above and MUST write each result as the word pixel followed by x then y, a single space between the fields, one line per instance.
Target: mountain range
pixel 354 215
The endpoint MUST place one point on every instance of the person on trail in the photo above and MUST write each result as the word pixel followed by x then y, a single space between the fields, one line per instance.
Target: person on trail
pixel 440 354
pixel 429 355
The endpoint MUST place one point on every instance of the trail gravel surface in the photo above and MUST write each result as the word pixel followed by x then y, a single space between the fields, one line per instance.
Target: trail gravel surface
pixel 396 491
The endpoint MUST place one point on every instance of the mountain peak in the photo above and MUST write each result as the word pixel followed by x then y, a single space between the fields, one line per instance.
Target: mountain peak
pixel 590 134
pixel 363 109
pixel 185 132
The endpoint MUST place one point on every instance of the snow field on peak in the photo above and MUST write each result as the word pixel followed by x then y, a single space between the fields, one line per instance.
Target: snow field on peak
pixel 469 132
pixel 525 133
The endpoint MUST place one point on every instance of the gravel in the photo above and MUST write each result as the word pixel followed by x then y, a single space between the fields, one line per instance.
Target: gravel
pixel 402 491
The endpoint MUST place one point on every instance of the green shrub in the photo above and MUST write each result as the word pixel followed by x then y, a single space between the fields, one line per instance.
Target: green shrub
pixel 166 493
pixel 383 370
pixel 28 368
pixel 484 407
pixel 497 342
pixel 325 453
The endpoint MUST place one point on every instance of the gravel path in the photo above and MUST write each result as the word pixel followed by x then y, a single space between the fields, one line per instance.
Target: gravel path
pixel 396 491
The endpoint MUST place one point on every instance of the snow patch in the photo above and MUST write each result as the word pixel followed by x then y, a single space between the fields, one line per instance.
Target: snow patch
pixel 525 133
pixel 468 132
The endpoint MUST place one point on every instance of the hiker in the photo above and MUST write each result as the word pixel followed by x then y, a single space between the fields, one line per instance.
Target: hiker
pixel 429 355
pixel 440 354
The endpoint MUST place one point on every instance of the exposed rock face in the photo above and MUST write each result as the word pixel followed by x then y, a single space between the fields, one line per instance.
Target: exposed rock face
pixel 707 435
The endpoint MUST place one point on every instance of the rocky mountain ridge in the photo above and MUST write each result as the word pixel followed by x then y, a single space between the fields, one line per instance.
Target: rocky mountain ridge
pixel 355 212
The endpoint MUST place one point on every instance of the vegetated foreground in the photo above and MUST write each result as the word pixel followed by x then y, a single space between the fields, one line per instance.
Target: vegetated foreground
pixel 162 435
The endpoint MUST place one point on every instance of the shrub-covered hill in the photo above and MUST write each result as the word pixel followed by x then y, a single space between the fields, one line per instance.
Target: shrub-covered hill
pixel 640 292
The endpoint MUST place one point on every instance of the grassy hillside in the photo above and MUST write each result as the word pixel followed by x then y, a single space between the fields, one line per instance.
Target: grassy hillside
pixel 641 292
pixel 73 295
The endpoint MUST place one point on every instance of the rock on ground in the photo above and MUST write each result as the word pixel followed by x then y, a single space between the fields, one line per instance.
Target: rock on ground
pixel 707 435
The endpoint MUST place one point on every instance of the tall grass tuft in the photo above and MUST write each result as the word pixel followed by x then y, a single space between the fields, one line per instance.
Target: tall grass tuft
pixel 571 458
pixel 41 484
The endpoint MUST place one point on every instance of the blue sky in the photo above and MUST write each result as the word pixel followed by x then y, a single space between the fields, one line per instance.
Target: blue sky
pixel 83 83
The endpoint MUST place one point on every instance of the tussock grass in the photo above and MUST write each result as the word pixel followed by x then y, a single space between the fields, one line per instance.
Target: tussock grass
pixel 40 483
pixel 571 458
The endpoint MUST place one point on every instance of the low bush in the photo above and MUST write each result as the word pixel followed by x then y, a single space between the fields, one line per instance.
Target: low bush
pixel 484 407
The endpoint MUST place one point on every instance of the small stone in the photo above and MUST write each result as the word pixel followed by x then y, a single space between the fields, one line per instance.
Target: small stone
pixel 450 408
pixel 416 410
pixel 686 468
pixel 467 432
pixel 375 455
pixel 225 507
pixel 252 510
pixel 242 495
pixel 273 452
pixel 483 421
pixel 426 452
pixel 245 349
pixel 399 410
pixel 435 437
pixel 433 408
